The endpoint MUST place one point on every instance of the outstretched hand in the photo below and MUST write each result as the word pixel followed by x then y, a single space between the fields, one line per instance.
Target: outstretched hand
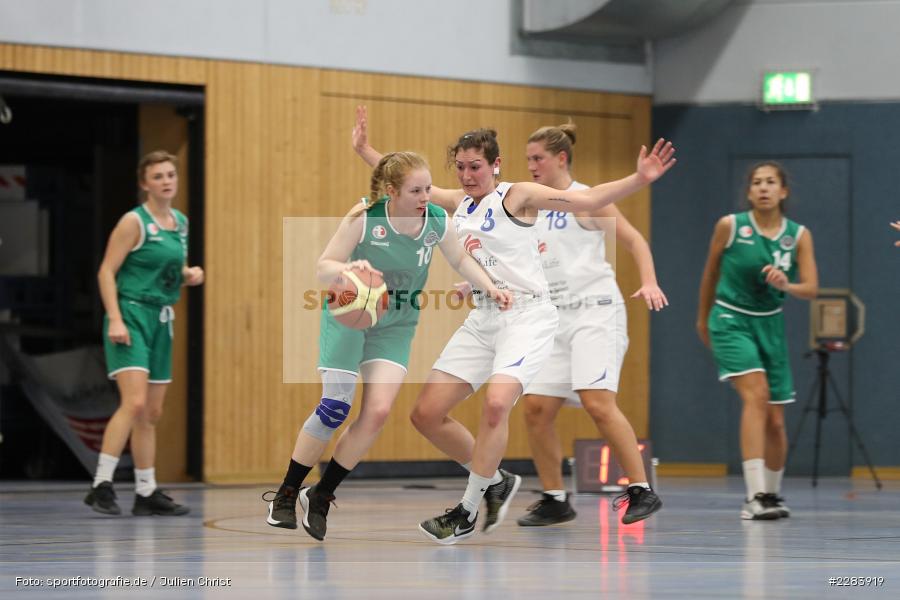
pixel 360 134
pixel 653 296
pixel 896 225
pixel 654 165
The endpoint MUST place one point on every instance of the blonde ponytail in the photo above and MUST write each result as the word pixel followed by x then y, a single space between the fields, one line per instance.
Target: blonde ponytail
pixel 392 170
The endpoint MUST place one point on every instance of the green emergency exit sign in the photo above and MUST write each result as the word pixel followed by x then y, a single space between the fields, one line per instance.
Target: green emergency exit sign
pixel 787 89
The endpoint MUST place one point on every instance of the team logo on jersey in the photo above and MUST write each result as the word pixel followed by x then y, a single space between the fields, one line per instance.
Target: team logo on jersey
pixel 542 247
pixel 152 229
pixel 550 263
pixel 787 242
pixel 745 231
pixel 378 232
pixel 471 244
pixel 432 238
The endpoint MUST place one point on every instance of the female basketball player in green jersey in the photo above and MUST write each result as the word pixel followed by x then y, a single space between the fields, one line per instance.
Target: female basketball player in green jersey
pixel 140 279
pixel 755 258
pixel 393 235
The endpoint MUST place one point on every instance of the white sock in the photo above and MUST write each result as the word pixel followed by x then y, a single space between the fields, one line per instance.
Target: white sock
pixel 474 493
pixel 558 495
pixel 642 484
pixel 106 466
pixel 497 478
pixel 144 481
pixel 754 478
pixel 773 480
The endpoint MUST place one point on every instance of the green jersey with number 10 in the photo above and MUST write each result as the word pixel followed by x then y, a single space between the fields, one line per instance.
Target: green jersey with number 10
pixel 403 260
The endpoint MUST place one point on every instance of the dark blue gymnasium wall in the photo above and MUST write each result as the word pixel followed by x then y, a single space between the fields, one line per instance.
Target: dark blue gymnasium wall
pixel 845 159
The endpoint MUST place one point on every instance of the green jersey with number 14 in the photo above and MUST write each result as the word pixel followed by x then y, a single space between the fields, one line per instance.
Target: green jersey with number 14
pixel 742 284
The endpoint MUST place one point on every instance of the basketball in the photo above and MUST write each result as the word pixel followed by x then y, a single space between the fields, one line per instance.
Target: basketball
pixel 357 298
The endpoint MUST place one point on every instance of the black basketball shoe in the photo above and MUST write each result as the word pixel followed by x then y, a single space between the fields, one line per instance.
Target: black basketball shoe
pixel 758 508
pixel 498 497
pixel 103 499
pixel 777 502
pixel 641 501
pixel 157 503
pixel 283 507
pixel 547 511
pixel 315 511
pixel 449 527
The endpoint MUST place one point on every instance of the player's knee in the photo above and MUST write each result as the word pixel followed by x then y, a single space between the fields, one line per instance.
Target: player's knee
pixel 151 415
pixel 757 398
pixel 775 430
pixel 496 409
pixel 537 414
pixel 775 421
pixel 423 419
pixel 134 406
pixel 375 418
pixel 338 388
pixel 601 412
pixel 325 420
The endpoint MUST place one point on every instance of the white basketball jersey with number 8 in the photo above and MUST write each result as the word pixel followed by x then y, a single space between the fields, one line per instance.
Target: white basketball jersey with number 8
pixel 506 248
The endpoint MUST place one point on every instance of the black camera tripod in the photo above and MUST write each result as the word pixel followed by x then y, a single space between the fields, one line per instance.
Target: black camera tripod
pixel 820 385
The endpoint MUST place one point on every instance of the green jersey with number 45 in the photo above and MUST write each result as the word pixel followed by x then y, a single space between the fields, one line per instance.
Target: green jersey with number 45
pixel 151 272
pixel 403 260
pixel 742 284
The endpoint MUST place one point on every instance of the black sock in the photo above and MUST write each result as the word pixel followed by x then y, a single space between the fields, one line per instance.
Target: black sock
pixel 296 473
pixel 332 477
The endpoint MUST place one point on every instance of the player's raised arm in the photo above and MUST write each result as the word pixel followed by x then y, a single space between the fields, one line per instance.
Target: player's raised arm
pixel 446 199
pixel 650 167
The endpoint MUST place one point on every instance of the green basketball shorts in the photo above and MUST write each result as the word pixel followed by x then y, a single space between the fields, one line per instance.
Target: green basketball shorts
pixel 743 344
pixel 150 329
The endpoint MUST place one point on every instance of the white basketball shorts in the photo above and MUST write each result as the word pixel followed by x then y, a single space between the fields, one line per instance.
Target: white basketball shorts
pixel 587 354
pixel 516 342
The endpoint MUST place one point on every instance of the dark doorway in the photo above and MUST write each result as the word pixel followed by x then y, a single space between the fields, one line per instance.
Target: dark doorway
pixel 75 143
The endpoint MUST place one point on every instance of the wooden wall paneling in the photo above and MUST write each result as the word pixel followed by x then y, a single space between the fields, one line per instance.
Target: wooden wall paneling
pixel 91 63
pixel 264 148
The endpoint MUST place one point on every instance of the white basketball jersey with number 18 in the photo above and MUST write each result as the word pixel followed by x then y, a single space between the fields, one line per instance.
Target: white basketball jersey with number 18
pixel 506 248
pixel 574 259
